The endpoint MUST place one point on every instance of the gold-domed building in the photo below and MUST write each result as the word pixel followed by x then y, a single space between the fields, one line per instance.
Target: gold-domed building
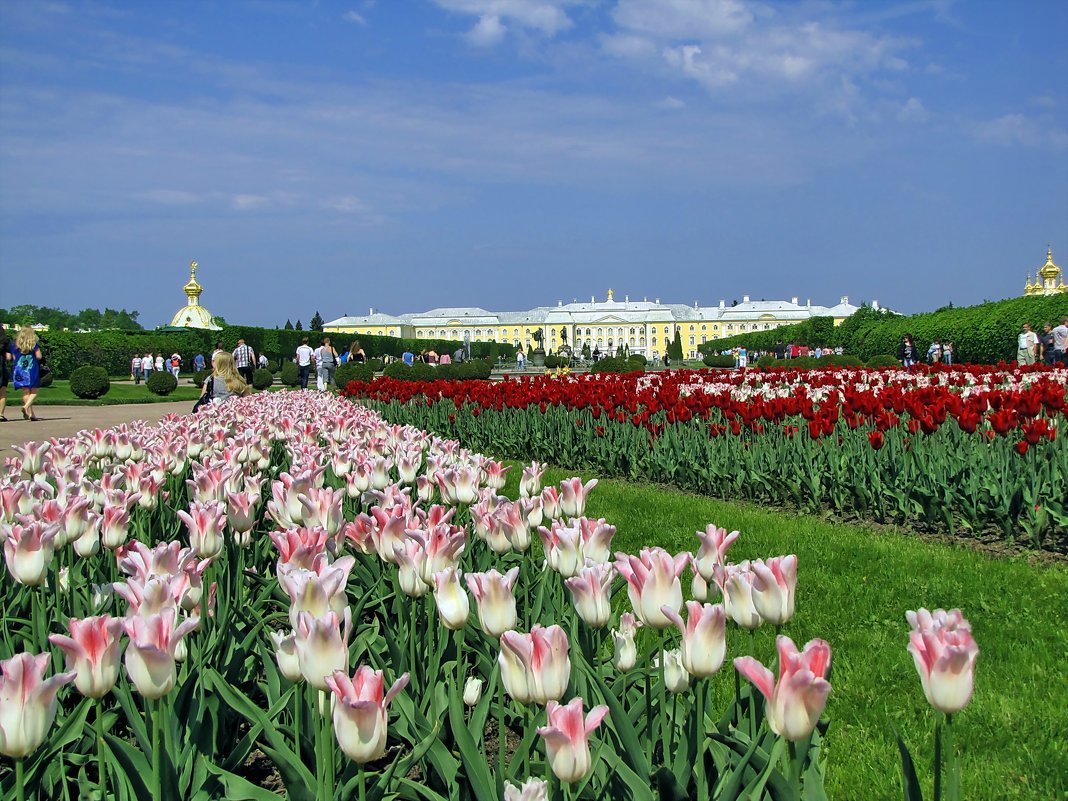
pixel 193 315
pixel 1048 279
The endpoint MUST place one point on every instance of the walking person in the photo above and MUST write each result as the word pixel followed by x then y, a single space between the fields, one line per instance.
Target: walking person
pixel 25 354
pixel 158 367
pixel 198 362
pixel 1060 342
pixel 1049 354
pixel 947 353
pixel 327 358
pixel 176 365
pixel 146 366
pixel 304 356
pixel 218 349
pixel 1026 346
pixel 244 358
pixel 5 371
pixel 906 351
pixel 135 369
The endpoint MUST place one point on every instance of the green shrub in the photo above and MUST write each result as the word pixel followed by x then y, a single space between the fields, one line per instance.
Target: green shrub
pixel 262 378
pixel 715 360
pixel 764 362
pixel 638 361
pixel 352 371
pixel 161 382
pixel 552 361
pixel 376 365
pixel 199 377
pixel 476 369
pixel 845 360
pixel 90 382
pixel 614 364
pixel 290 374
pixel 882 360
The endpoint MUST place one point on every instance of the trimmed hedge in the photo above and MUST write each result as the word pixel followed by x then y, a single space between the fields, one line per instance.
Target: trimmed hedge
pixel 161 383
pixel 882 360
pixel 614 364
pixel 90 381
pixel 715 360
pixel 199 377
pixel 113 350
pixel 262 378
pixel 477 369
pixel 983 334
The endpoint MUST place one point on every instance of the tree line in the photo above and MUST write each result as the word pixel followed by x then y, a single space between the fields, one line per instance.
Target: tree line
pixel 61 320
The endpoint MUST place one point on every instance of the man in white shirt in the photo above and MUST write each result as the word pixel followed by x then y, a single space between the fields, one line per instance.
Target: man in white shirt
pixel 1060 343
pixel 304 355
pixel 1026 346
pixel 146 365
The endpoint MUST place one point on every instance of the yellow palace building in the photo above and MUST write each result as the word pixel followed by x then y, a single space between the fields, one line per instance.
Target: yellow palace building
pixel 644 326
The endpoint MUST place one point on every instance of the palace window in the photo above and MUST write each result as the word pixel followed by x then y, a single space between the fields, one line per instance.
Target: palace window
pixel 654 339
pixel 691 328
pixel 632 331
pixel 691 340
pixel 704 328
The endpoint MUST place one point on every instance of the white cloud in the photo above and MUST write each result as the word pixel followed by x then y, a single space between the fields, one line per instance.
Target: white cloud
pixel 683 19
pixel 249 202
pixel 1019 130
pixel 545 16
pixel 487 32
pixel 671 103
pixel 354 16
pixel 169 197
pixel 912 111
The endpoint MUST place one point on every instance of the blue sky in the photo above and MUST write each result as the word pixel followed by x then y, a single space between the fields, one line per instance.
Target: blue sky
pixel 406 154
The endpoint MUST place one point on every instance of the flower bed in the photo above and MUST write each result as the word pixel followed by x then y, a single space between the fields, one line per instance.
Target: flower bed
pixel 971 451
pixel 203 626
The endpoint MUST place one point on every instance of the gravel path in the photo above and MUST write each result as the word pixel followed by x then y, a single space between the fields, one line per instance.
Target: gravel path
pixel 62 421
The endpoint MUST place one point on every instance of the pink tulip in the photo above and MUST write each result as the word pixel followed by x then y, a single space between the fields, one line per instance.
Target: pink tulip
pixel 114 526
pixel 205 522
pixel 389 531
pixel 494 600
pixel 11 502
pixel 28 550
pixel 563 548
pixel 322 509
pixel 625 655
pixel 735 583
pixel 93 650
pixel 150 656
pixel 704 637
pixel 514 526
pixel 27 702
pixel 33 457
pixel 774 583
pixel 321 647
pixel 530 483
pixel 317 591
pixel 573 494
pixel 591 594
pixel 496 474
pixel 88 542
pixel 285 654
pixel 241 515
pixel 795 703
pixel 442 545
pixel 944 651
pixel 713 551
pixel 299 547
pixel 653 583
pixel 567 738
pixel 360 722
pixel 454 607
pixel 550 502
pixel 535 667
pixel 596 540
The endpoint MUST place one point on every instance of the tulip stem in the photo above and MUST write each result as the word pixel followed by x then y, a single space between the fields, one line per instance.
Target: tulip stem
pixel 952 765
pixel 328 746
pixel 101 769
pixel 298 702
pixel 363 784
pixel 665 718
pixel 795 768
pixel 699 687
pixel 417 675
pixel 157 729
pixel 20 782
pixel 649 711
pixel 501 734
pixel 938 762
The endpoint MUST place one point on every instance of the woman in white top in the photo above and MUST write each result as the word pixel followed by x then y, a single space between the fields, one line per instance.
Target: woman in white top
pixel 159 362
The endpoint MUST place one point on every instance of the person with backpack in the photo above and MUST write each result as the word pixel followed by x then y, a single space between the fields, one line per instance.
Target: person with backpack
pixel 5 357
pixel 175 364
pixel 25 352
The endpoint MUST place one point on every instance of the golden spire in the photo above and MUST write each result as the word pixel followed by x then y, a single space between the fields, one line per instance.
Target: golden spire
pixel 609 294
pixel 192 289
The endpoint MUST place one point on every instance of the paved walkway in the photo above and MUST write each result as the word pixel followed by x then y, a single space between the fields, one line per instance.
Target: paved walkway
pixel 62 421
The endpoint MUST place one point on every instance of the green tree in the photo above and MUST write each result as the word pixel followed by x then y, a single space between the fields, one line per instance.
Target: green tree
pixel 299 326
pixel 316 323
pixel 675 348
pixel 288 326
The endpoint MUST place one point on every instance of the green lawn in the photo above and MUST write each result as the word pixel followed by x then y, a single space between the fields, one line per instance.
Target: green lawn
pixel 59 394
pixel 854 587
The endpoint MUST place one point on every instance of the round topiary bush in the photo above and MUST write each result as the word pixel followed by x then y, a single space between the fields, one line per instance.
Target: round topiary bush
pixel 353 371
pixel 552 361
pixel 715 360
pixel 160 382
pixel 290 374
pixel 90 382
pixel 199 377
pixel 262 378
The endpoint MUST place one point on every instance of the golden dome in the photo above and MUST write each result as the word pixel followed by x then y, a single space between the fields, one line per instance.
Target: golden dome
pixel 193 315
pixel 1048 279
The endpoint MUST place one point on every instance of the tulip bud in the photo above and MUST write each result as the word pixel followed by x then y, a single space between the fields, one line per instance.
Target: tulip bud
pixel 794 703
pixel 652 583
pixel 473 691
pixel 532 790
pixel 285 653
pixel 494 600
pixel 360 723
pixel 676 678
pixel 945 652
pixel 626 652
pixel 321 647
pixel 150 655
pixel 591 594
pixel 535 667
pixel 454 607
pixel 704 640
pixel 774 583
pixel 28 551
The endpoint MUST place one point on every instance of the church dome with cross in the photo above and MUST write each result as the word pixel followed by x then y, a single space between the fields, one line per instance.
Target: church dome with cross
pixel 193 315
